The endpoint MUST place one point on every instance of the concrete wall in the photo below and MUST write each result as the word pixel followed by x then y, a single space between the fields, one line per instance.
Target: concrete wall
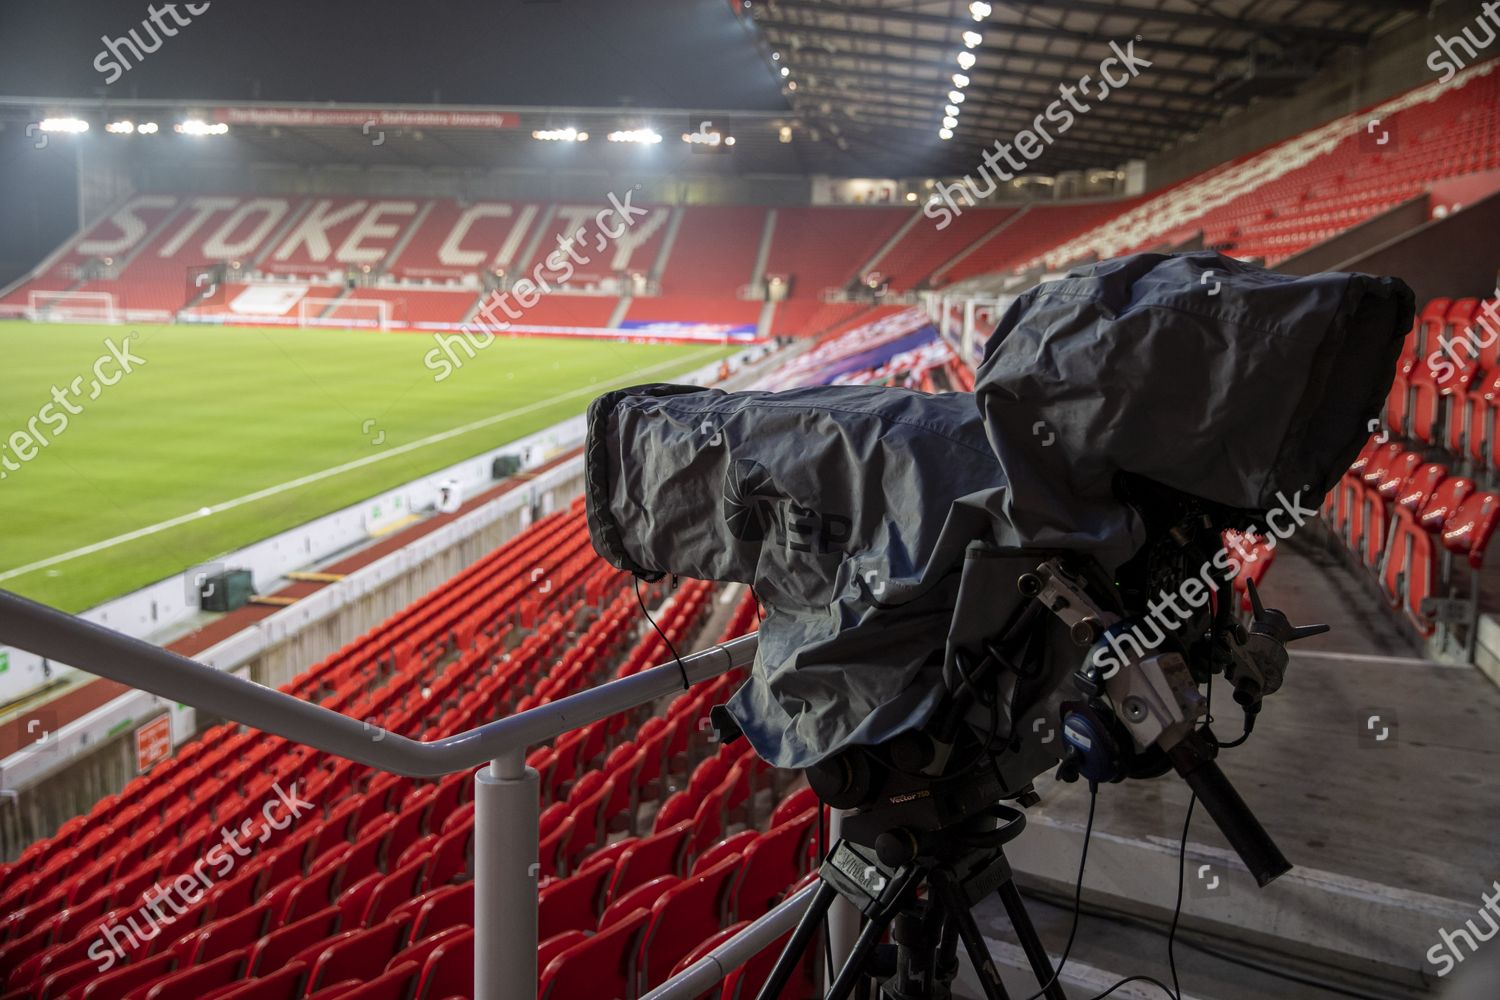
pixel 1357 78
pixel 36 813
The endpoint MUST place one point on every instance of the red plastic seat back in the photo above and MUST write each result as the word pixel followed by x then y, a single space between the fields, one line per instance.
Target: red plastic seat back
pixel 1397 473
pixel 653 856
pixel 1419 486
pixel 803 799
pixel 601 968
pixel 642 897
pixel 396 984
pixel 354 954
pixel 276 948
pixel 449 907
pixel 1380 462
pixel 192 983
pixel 119 982
pixel 1444 501
pixel 283 984
pixel 573 903
pixel 1469 528
pixel 770 865
pixel 449 970
pixel 681 916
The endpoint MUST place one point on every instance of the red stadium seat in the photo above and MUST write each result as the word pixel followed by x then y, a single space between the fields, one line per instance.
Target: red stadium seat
pixel 422 948
pixel 680 915
pixel 600 968
pixel 352 953
pixel 285 983
pixel 192 983
pixel 122 981
pixel 277 948
pixel 575 902
pixel 770 865
pixel 643 896
pixel 652 857
pixel 223 935
pixel 449 970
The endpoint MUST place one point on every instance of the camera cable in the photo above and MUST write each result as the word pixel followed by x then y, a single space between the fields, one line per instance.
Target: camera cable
pixel 1083 860
pixel 686 684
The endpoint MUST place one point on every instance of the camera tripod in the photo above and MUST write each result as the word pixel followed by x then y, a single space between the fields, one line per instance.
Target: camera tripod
pixel 959 866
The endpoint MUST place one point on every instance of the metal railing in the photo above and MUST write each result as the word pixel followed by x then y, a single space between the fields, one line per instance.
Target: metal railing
pixel 507 798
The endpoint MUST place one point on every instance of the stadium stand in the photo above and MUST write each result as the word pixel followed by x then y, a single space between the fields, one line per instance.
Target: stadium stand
pixel 924 248
pixel 692 263
pixel 1410 510
pixel 715 250
pixel 562 311
pixel 381 866
pixel 595 259
pixel 1294 194
pixel 453 239
pixel 1021 238
pixel 806 317
pixel 816 248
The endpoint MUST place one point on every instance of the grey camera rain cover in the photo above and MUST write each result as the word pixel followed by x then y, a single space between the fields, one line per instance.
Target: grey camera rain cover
pixel 850 509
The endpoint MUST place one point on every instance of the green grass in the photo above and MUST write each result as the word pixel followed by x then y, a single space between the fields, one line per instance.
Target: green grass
pixel 216 414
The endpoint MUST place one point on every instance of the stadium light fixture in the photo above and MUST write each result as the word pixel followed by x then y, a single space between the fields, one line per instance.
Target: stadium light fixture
pixel 199 127
pixel 951 109
pixel 776 56
pixel 979 10
pixel 569 134
pixel 640 136
pixel 120 128
pixel 960 81
pixel 911 196
pixel 972 39
pixel 707 138
pixel 950 122
pixel 966 60
pixel 945 133
pixel 71 126
pixel 147 128
pixel 786 71
pixel 956 96
pixel 785 133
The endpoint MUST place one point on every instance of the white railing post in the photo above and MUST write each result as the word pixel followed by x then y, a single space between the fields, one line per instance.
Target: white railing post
pixel 507 807
pixel 843 916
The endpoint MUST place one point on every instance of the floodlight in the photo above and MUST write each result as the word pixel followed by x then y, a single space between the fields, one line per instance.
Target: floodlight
pixel 69 126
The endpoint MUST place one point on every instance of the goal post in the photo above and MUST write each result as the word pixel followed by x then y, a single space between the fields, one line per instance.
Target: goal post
pixel 323 311
pixel 71 307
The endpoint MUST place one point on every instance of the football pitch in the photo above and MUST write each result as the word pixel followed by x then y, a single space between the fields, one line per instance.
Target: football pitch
pixel 219 437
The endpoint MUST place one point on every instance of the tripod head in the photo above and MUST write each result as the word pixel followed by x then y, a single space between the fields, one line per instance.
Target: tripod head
pixel 1138 712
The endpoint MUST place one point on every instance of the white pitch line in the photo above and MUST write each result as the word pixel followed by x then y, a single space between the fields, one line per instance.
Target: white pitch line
pixel 337 470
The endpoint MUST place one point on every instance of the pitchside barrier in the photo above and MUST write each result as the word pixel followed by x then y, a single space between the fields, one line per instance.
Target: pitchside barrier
pixel 507 793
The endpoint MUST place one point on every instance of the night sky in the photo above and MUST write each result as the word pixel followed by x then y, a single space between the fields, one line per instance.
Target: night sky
pixel 646 53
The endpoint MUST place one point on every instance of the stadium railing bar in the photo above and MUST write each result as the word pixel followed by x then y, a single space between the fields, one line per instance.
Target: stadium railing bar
pixel 506 794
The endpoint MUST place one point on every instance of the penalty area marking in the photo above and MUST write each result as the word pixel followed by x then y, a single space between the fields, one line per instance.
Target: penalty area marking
pixel 338 470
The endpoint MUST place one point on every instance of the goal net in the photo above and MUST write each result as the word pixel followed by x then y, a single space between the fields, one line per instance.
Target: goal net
pixel 72 307
pixel 373 314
